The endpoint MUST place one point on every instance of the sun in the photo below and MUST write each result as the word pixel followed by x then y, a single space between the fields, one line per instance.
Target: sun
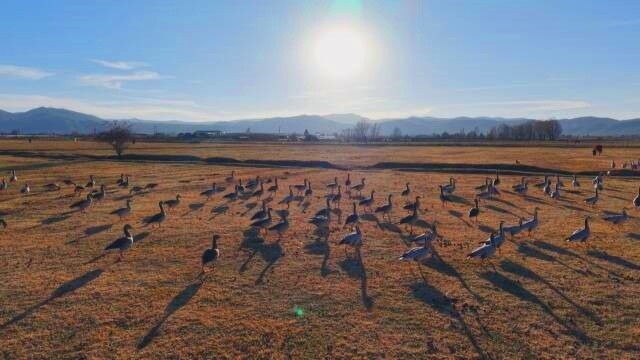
pixel 341 52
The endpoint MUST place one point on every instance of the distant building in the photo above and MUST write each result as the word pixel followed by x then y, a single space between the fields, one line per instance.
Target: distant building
pixel 208 133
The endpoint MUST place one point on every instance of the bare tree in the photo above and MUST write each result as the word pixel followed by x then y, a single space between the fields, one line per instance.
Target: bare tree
pixel 361 130
pixel 374 131
pixel 118 135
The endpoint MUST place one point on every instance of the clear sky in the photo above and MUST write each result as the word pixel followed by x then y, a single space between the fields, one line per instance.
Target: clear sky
pixel 217 60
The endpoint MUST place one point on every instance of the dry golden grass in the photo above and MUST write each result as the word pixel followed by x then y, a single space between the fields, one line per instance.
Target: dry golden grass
pixel 540 297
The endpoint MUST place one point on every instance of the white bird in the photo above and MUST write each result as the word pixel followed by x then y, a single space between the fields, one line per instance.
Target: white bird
pixel 359 187
pixel 334 184
pixel 498 239
pixel 581 234
pixel 427 237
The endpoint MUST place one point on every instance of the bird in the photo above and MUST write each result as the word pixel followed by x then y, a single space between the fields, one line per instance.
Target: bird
pixel 173 203
pixel 326 210
pixel 347 183
pixel 359 187
pixel 353 239
pixel 386 208
pixel 232 195
pixel 353 218
pixel 410 220
pixel 25 189
pixel 253 183
pixel 368 201
pixel 559 181
pixel 273 189
pixel 264 222
pixel 136 189
pixel 337 197
pixel 406 191
pixel 547 188
pixel 474 211
pixel 592 200
pixel 158 218
pixel 417 254
pixel 288 199
pixel 100 195
pixel 210 255
pixel 52 187
pixel 616 218
pixel 333 185
pixel 532 224
pixel 514 229
pixel 497 239
pixel 121 180
pixel 300 187
pixel 413 206
pixel 450 187
pixel 77 189
pixel 4 185
pixel 322 220
pixel 485 250
pixel 519 185
pixel 124 183
pixel 308 191
pixel 543 183
pixel 230 178
pixel 261 213
pixel 3 223
pixel 210 192
pixel 444 198
pixel 239 187
pixel 123 243
pixel 581 234
pixel 258 193
pixel 124 211
pixel 83 205
pixel 523 189
pixel 496 182
pixel 636 200
pixel 575 182
pixel 428 236
pixel 555 194
pixel 92 182
pixel 13 177
pixel 280 227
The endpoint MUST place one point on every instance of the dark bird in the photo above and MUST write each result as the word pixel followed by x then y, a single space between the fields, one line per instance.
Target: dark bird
pixel 209 256
pixel 158 218
pixel 353 218
pixel 123 243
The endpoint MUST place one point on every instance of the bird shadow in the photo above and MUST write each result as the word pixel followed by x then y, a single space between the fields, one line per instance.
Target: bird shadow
pixel 439 302
pixel 55 219
pixel 534 200
pixel 522 271
pixel 387 226
pixel 369 217
pixel 194 207
pixel 66 288
pixel 458 199
pixel 270 253
pixel 179 301
pixel 515 289
pixel 354 267
pixel 92 230
pixel 486 229
pixel 553 248
pixel 437 263
pixel 633 236
pixel 613 259
pixel 460 216
pixel 141 236
pixel 219 210
pixel 499 209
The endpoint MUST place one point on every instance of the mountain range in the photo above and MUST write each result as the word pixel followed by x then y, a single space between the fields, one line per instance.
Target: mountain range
pixel 45 120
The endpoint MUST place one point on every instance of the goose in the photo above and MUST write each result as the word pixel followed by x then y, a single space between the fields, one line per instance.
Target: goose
pixel 334 185
pixel 386 208
pixel 280 227
pixel 359 187
pixel 450 187
pixel 125 182
pixel 25 189
pixel 253 183
pixel 321 221
pixel 229 179
pixel 547 188
pixel 52 187
pixel 592 200
pixel 261 213
pixel 559 181
pixel 353 239
pixel 13 177
pixel 410 220
pixel 288 199
pixel 92 182
pixel 232 195
pixel 136 189
pixel 556 192
pixel 636 200
pixel 496 182
pixel 413 206
pixel 100 195
pixel 484 186
pixel 78 189
pixel 123 243
pixel 325 210
pixel 474 211
pixel 121 180
pixel 308 191
pixel 347 183
pixel 616 218
pixel 581 234
pixel 239 187
pixel 173 203
pixel 210 255
pixel 427 237
pixel 82 205
pixel 353 218
pixel 368 201
pixel 485 250
pixel 514 229
pixel 300 187
pixel 264 222
pixel 124 211
pixel 337 197
pixel 543 183
pixel 406 191
pixel 493 189
pixel 4 185
pixel 273 189
pixel 417 254
pixel 519 185
pixel 158 218
pixel 575 182
pixel 532 224
pixel 258 193
pixel 486 194
pixel 210 192
pixel 523 190
pixel 444 198
pixel 3 223
pixel 497 239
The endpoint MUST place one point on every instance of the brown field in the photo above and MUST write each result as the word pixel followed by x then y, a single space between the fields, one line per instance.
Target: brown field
pixel 539 297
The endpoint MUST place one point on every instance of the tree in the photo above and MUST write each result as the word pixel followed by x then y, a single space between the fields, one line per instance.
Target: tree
pixel 118 135
pixel 397 133
pixel 361 130
pixel 374 131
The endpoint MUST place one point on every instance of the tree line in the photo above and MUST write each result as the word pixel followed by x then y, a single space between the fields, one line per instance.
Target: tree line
pixel 530 130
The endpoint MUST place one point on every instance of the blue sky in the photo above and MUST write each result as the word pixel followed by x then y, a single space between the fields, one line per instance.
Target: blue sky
pixel 217 60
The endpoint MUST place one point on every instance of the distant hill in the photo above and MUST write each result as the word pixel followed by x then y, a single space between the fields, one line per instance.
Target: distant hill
pixel 61 121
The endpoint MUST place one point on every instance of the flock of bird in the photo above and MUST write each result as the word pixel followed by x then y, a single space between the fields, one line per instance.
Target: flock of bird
pixel 263 220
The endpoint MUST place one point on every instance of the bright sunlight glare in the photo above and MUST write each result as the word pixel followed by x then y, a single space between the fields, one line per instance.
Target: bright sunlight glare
pixel 341 52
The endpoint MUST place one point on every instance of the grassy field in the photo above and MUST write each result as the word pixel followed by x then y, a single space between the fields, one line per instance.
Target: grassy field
pixel 305 296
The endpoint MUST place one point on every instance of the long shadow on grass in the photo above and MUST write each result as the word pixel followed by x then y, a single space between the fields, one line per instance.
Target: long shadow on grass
pixel 613 259
pixel 562 251
pixel 506 284
pixel 355 268
pixel 320 247
pixel 178 301
pixel 438 301
pixel 66 288
pixel 437 263
pixel 520 270
pixel 527 250
pixel 270 253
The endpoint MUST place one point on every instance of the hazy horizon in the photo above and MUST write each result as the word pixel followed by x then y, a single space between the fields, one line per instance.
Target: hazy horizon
pixel 205 61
